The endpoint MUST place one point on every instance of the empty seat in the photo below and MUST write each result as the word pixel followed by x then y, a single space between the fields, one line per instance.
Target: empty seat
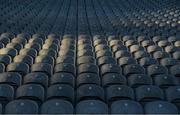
pixel 133 69
pixel 160 107
pixel 16 46
pixel 153 48
pixel 31 91
pixel 101 47
pixel 156 69
pixel 135 48
pixel 160 54
pixel 36 40
pixel 146 43
pixel 64 67
pixel 49 52
pixel 142 38
pixel 35 46
pixel 7 34
pixel 63 78
pixel 85 52
pixel 91 107
pixel 119 92
pixel 52 40
pixel 136 80
pixel 65 59
pixel 50 46
pixel 20 67
pixel 10 51
pixel 24 59
pixel 6 93
pixel 122 53
pixel 19 40
pixel 168 62
pixel 87 78
pixel 102 53
pixel 66 46
pixel 85 59
pixel 42 67
pixel 126 107
pixel 62 91
pixel 38 36
pixel 147 61
pixel 84 41
pixel 99 41
pixel 22 107
pixel 118 47
pixel 45 59
pixel 89 91
pixel 87 68
pixel 4 40
pixel 66 52
pixel 171 49
pixel 11 78
pixel 126 60
pixel 57 106
pixel 127 37
pixel 110 68
pixel 141 54
pixel 28 51
pixel 5 59
pixel 157 38
pixel 173 94
pixel 106 60
pixel 23 35
pixel 129 43
pixel 164 43
pixel 113 79
pixel 85 46
pixel 36 78
pixel 114 42
pixel 164 81
pixel 113 37
pixel 147 93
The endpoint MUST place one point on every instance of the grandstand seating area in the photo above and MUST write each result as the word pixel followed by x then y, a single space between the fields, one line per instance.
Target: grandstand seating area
pixel 89 56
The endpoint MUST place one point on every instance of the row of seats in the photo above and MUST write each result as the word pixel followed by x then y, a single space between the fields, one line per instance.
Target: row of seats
pixel 144 92
pixel 98 74
pixel 58 106
pixel 91 17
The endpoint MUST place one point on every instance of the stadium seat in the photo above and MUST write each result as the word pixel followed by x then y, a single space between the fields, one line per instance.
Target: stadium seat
pixel 89 91
pixel 126 107
pixel 31 91
pixel 91 107
pixel 160 107
pixel 119 92
pixel 60 91
pixel 64 67
pixel 12 78
pixel 147 93
pixel 87 78
pixel 36 78
pixel 136 80
pixel 62 78
pixel 57 106
pixel 22 106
